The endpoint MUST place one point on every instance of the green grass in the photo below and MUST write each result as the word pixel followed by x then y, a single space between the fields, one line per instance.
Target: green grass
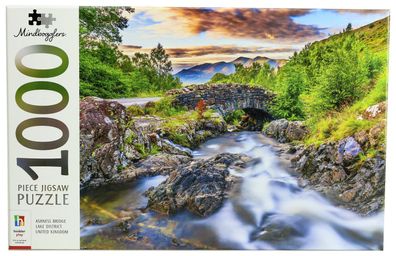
pixel 235 117
pixel 130 138
pixel 178 122
pixel 149 94
pixel 135 110
pixel 374 35
pixel 180 126
pixel 164 108
pixel 338 125
pixel 145 152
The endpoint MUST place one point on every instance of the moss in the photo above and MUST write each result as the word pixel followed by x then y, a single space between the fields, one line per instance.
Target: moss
pixel 129 140
pixel 140 148
pixel 100 242
pixel 179 127
pixel 235 117
pixel 130 123
pixel 218 121
pixel 266 125
pixel 120 167
pixel 135 110
pixel 154 149
pixel 363 157
pixel 145 152
pixel 179 138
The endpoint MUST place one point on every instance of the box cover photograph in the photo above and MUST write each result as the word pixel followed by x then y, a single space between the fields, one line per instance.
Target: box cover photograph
pixel 197 128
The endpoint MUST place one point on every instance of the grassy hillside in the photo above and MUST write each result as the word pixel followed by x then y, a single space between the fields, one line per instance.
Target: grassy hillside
pixel 345 121
pixel 374 35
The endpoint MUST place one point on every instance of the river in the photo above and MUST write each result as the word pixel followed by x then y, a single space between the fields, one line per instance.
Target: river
pixel 268 211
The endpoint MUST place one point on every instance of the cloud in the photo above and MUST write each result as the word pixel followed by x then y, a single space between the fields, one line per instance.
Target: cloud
pixel 210 50
pixel 363 11
pixel 268 24
pixel 225 49
pixel 185 57
pixel 128 46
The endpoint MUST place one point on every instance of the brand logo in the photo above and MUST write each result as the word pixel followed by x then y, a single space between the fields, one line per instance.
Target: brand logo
pixel 19 221
pixel 39 19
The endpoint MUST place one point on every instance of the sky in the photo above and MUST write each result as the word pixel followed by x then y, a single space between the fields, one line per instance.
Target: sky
pixel 194 36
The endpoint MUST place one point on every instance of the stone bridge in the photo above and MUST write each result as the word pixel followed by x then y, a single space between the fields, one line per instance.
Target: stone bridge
pixel 226 98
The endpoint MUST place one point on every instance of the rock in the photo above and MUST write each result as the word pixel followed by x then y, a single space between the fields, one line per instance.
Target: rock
pixel 376 132
pixel 199 186
pixel 193 132
pixel 279 231
pixel 332 169
pixel 124 225
pixel 296 130
pixel 375 110
pixel 338 175
pixel 291 150
pixel 286 131
pixel 276 129
pixel 113 143
pixel 348 150
pixel 162 163
pixel 101 134
pixel 94 221
pixel 348 195
pixel 361 138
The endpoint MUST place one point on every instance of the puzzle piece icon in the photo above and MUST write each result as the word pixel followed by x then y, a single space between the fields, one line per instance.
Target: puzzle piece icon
pixel 46 20
pixel 35 18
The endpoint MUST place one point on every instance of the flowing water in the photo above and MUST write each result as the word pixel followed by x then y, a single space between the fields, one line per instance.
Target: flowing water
pixel 268 211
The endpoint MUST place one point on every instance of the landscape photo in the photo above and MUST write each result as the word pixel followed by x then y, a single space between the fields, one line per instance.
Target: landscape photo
pixel 233 128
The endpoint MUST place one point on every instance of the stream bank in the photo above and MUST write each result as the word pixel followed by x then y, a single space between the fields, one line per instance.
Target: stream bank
pixel 142 190
pixel 265 209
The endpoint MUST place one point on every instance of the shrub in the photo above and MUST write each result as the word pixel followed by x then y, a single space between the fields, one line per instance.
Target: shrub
pixel 235 117
pixel 201 108
pixel 135 110
pixel 164 108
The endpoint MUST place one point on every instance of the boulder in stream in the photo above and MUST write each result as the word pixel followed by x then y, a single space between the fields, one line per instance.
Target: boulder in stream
pixel 286 131
pixel 199 186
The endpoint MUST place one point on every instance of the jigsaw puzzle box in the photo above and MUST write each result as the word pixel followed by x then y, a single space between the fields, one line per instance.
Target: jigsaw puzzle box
pixel 196 128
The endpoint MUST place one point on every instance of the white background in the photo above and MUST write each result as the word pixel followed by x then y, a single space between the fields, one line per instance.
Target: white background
pixel 390 212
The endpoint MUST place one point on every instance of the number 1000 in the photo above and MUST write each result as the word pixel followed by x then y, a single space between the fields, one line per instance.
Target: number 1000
pixel 27 163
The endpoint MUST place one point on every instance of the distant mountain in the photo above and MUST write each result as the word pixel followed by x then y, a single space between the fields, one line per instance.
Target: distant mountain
pixel 203 73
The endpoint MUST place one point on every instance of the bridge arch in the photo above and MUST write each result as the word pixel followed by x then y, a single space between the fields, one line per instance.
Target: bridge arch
pixel 227 98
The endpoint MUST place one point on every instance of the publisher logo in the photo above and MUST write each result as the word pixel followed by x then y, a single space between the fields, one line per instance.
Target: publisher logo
pixel 19 221
pixel 39 19
pixel 39 23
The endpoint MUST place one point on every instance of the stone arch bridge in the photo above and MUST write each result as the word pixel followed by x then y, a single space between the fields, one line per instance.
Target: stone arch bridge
pixel 226 98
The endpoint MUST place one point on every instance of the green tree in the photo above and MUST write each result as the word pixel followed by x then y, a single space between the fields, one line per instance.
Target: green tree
pixel 105 71
pixel 219 78
pixel 349 27
pixel 292 81
pixel 341 79
pixel 103 24
pixel 160 60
